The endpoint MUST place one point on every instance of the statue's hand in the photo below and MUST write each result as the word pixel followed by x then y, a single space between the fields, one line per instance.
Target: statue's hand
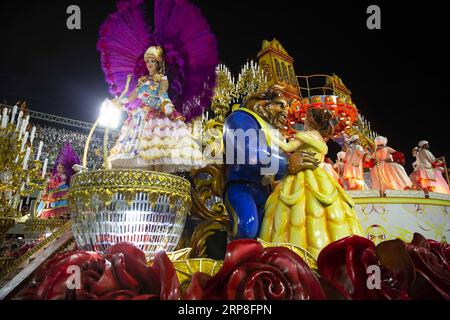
pixel 167 108
pixel 267 180
pixel 302 160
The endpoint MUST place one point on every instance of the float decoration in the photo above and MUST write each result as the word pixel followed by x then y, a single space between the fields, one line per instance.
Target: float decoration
pixel 252 79
pixel 225 93
pixel 343 109
pixel 252 271
pixel 120 274
pixel 302 253
pixel 54 202
pixel 36 229
pixel 208 206
pixel 41 245
pixel 146 208
pixel 211 128
pixel 186 269
pixel 278 67
pixel 418 270
pixel 191 53
pixel 208 182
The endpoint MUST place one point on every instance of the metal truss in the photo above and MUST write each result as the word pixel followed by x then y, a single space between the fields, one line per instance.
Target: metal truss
pixel 59 120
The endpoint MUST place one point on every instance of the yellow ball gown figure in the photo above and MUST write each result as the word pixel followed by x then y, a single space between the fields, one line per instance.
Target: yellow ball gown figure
pixel 310 209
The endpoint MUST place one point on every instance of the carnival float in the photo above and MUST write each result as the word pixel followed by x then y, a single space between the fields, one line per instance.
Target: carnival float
pixel 216 186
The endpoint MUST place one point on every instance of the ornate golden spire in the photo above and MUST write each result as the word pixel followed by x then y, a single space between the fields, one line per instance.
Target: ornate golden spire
pixel 279 66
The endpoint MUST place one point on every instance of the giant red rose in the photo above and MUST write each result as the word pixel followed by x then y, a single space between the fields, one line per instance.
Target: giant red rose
pixel 418 270
pixel 346 265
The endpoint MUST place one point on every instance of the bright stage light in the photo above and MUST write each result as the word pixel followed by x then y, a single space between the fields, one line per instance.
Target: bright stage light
pixel 109 115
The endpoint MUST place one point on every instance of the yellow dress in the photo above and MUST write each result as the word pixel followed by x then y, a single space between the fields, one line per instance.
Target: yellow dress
pixel 309 209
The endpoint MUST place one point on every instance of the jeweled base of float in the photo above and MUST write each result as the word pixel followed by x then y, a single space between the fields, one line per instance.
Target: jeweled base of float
pixel 146 208
pixel 402 213
pixel 148 226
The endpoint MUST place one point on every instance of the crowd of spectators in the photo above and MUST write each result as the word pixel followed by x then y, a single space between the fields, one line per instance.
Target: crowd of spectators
pixel 54 139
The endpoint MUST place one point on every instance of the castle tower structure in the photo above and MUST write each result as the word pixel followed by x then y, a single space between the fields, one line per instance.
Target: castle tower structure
pixel 279 66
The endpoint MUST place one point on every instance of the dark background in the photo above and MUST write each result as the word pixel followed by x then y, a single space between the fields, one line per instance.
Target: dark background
pixel 398 75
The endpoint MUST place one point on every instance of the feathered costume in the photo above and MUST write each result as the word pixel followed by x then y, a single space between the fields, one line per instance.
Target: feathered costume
pixel 151 138
pixel 55 199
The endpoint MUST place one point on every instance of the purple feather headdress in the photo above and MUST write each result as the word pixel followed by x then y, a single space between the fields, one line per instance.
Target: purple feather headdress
pixel 68 158
pixel 190 51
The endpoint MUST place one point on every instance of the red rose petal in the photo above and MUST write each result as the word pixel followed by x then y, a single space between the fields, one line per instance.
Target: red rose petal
pixel 136 266
pixel 118 295
pixel 340 263
pixel 129 250
pixel 302 279
pixel 107 282
pixel 238 252
pixel 124 278
pixel 236 279
pixel 197 286
pixel 170 287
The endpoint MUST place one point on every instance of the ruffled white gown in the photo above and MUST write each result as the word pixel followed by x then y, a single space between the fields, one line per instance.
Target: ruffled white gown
pixel 152 140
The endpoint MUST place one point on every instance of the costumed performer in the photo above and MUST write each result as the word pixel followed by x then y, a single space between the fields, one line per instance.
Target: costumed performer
pixel 387 174
pixel 55 202
pixel 413 176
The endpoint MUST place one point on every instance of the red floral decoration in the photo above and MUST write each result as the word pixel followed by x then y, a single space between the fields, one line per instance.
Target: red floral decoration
pixel 344 110
pixel 120 274
pixel 439 165
pixel 251 272
pixel 419 270
pixel 369 164
pixel 344 264
pixel 431 262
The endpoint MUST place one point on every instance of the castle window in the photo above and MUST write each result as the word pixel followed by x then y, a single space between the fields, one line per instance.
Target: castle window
pixel 292 75
pixel 278 70
pixel 285 73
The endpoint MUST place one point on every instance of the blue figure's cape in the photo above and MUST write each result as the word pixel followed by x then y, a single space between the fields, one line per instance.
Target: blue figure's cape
pixel 250 169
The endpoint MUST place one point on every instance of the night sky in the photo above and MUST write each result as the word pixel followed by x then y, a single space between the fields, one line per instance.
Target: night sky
pixel 398 75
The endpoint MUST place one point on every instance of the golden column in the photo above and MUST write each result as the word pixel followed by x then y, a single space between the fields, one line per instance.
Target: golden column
pixel 279 66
